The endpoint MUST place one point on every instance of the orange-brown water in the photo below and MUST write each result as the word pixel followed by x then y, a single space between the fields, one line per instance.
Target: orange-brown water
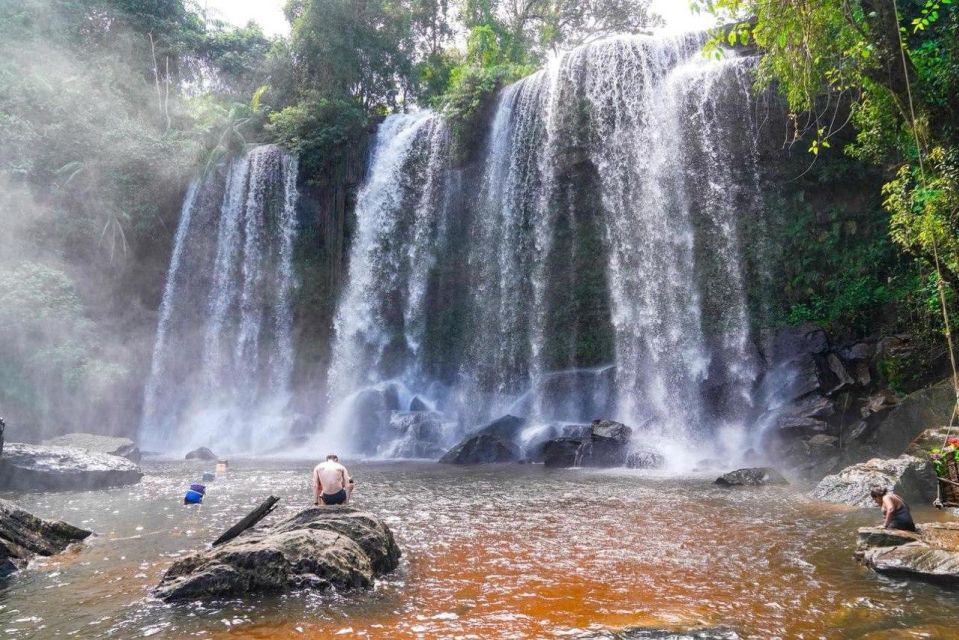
pixel 489 552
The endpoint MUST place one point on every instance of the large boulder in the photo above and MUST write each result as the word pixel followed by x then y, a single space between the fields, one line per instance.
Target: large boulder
pixel 908 418
pixel 751 477
pixel 562 452
pixel 319 548
pixel 483 448
pixel 931 554
pixel 492 443
pixel 123 447
pixel 23 535
pixel 911 477
pixel 27 467
pixel 201 454
pixel 605 444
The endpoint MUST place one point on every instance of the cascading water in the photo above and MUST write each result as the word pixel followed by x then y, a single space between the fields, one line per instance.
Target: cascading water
pixel 600 225
pixel 223 357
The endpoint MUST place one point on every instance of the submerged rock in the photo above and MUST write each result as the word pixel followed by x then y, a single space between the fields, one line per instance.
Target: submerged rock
pixel 418 405
pixel 912 478
pixel 751 477
pixel 23 535
pixel 931 554
pixel 27 467
pixel 319 548
pixel 201 454
pixel 123 447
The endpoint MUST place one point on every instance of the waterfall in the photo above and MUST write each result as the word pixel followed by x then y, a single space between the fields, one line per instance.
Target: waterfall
pixel 597 246
pixel 223 357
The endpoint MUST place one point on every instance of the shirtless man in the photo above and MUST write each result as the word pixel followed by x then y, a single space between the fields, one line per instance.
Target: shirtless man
pixel 331 482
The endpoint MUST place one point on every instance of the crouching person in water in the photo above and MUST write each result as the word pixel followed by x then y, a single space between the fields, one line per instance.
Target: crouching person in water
pixel 331 482
pixel 895 511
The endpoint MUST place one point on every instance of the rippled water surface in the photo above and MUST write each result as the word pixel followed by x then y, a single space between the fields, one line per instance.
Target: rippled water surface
pixel 489 552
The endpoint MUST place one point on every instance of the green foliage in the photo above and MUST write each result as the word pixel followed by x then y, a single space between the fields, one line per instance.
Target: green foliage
pixel 48 345
pixel 318 129
pixel 896 67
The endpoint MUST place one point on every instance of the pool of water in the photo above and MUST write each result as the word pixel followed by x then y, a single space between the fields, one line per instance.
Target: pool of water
pixel 489 552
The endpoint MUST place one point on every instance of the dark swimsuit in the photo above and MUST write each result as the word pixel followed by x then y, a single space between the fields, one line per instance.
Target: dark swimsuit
pixel 901 518
pixel 334 498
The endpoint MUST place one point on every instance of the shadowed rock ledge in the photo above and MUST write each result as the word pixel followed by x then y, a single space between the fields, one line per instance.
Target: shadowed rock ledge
pixel 23 535
pixel 319 548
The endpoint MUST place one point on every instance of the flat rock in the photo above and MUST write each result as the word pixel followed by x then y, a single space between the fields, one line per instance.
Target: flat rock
pixel 930 554
pixel 881 537
pixel 319 548
pixel 123 447
pixel 916 560
pixel 201 454
pixel 912 478
pixel 751 477
pixel 23 535
pixel 27 467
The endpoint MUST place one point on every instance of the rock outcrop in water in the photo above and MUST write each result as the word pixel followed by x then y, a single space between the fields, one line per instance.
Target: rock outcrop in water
pixel 911 477
pixel 605 443
pixel 931 554
pixel 201 453
pixel 28 467
pixel 23 535
pixel 123 447
pixel 493 443
pixel 319 548
pixel 752 477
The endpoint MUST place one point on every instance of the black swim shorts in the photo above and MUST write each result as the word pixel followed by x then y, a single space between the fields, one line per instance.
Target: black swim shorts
pixel 334 498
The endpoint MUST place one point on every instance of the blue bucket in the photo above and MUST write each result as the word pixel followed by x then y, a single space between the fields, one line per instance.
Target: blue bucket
pixel 192 497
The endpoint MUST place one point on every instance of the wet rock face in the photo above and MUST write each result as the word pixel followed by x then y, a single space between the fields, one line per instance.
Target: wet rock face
pixel 816 390
pixel 23 535
pixel 931 554
pixel 201 454
pixel 26 467
pixel 752 477
pixel 912 478
pixel 123 447
pixel 318 548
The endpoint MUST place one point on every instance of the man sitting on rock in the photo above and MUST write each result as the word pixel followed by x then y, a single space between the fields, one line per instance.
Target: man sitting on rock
pixel 331 482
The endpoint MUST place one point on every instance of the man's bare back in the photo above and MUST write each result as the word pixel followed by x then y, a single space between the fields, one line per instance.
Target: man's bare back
pixel 329 479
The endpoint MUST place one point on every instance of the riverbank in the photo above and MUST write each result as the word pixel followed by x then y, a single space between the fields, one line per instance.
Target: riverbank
pixel 495 551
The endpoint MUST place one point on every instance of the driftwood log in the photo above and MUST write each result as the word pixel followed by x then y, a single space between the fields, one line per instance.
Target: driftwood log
pixel 248 521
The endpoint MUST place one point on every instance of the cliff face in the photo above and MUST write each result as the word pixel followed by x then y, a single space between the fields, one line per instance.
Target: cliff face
pixel 326 215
